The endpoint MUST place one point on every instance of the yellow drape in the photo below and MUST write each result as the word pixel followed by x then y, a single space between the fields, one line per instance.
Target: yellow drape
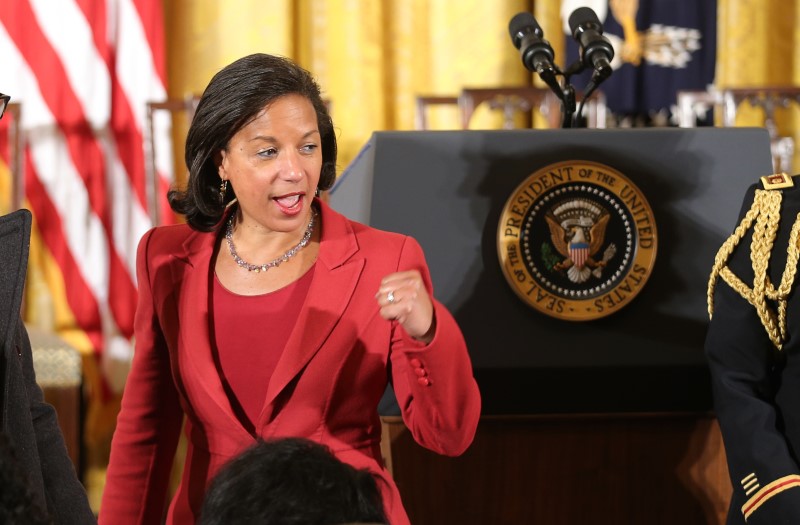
pixel 757 42
pixel 370 57
pixel 757 46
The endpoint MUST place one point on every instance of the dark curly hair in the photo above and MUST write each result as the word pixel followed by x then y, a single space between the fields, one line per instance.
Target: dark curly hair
pixel 291 481
pixel 233 98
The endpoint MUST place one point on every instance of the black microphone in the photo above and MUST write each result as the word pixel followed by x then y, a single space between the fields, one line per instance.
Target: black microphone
pixel 537 54
pixel 595 49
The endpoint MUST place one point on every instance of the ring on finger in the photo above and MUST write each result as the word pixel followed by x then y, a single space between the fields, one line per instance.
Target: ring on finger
pixel 390 296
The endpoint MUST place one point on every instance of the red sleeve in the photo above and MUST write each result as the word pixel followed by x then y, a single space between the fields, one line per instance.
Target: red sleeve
pixel 149 421
pixel 434 385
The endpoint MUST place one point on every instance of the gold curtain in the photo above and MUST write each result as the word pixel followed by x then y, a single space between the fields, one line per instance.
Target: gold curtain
pixel 756 42
pixel 756 46
pixel 370 57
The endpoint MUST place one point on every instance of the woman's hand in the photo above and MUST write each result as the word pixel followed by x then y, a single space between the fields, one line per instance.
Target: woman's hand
pixel 403 298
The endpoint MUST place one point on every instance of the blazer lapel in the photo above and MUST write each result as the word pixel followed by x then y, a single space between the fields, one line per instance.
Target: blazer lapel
pixel 335 278
pixel 192 271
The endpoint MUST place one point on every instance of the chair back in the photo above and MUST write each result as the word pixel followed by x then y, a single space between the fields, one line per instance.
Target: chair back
pixel 15 148
pixel 527 99
pixel 727 102
pixel 424 102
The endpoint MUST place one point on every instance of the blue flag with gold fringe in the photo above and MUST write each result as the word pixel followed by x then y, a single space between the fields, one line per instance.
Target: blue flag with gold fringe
pixel 660 48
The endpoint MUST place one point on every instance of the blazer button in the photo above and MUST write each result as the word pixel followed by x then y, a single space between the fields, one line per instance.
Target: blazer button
pixel 424 381
pixel 416 363
pixel 421 372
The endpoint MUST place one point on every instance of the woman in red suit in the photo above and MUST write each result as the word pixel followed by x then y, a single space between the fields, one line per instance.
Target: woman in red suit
pixel 271 315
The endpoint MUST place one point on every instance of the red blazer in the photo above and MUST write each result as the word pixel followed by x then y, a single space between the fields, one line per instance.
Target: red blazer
pixel 326 386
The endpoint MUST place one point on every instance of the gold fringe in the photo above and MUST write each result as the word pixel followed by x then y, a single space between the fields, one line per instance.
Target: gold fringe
pixel 764 216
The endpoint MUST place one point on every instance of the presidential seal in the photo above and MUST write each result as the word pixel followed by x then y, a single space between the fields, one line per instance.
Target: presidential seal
pixel 577 240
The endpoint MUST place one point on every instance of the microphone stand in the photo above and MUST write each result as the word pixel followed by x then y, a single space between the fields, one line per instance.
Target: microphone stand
pixel 565 91
pixel 567 105
pixel 566 94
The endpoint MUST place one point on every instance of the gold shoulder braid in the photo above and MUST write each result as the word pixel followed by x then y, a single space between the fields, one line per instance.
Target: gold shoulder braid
pixel 765 213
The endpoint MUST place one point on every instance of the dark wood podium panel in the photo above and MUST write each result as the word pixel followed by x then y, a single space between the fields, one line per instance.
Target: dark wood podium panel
pixel 448 189
pixel 568 470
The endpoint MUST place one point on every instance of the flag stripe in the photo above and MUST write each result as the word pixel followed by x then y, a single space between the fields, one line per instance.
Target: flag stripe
pixel 153 24
pixel 58 193
pixel 138 75
pixel 96 16
pixel 79 296
pixel 86 153
pixel 84 92
pixel 125 129
pixel 81 69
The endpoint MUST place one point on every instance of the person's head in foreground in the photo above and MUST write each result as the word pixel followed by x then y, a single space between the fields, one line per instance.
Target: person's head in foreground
pixel 291 481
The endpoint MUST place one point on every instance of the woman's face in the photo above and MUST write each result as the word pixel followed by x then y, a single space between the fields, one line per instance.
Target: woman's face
pixel 273 164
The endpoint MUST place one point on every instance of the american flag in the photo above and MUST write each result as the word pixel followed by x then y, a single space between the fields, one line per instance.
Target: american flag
pixel 83 72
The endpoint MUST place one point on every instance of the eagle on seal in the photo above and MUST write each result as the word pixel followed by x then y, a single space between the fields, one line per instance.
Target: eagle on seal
pixel 578 237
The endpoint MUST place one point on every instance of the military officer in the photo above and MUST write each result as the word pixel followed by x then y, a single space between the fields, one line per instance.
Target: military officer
pixel 753 351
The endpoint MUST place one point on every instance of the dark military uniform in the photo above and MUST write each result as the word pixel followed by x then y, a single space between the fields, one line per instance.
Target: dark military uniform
pixel 755 368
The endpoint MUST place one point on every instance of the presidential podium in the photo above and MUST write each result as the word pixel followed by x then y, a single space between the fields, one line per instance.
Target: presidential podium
pixel 601 420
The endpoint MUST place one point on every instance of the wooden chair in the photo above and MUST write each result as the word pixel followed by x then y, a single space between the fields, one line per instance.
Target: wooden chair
pixel 595 109
pixel 15 145
pixel 728 101
pixel 184 107
pixel 768 99
pixel 424 102
pixel 59 372
pixel 510 100
pixel 694 105
pixel 525 99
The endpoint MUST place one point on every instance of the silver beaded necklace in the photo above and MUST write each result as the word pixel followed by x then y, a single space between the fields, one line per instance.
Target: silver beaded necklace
pixel 274 262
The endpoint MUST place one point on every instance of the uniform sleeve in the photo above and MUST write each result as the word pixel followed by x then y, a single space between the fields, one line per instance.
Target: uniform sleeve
pixel 745 370
pixel 65 496
pixel 149 421
pixel 435 388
